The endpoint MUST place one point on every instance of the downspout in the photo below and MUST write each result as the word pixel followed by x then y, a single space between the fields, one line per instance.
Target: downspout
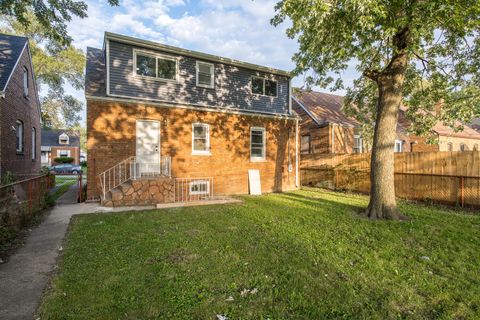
pixel 333 138
pixel 296 155
pixel 290 96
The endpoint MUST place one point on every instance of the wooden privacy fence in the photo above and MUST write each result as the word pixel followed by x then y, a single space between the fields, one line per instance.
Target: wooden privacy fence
pixel 441 177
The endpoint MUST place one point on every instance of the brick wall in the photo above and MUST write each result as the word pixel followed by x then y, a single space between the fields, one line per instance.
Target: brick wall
pixel 470 144
pixel 74 153
pixel 111 138
pixel 14 106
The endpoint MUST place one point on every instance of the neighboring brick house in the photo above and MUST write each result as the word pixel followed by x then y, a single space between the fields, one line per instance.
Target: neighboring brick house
pixel 326 129
pixel 19 109
pixel 199 114
pixel 60 143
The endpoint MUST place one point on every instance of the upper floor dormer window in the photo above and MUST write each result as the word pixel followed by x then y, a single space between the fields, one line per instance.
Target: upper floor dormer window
pixel 205 74
pixel 264 87
pixel 155 66
pixel 25 82
pixel 63 139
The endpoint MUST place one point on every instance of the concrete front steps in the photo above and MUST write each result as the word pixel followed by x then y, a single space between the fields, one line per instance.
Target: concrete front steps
pixel 141 192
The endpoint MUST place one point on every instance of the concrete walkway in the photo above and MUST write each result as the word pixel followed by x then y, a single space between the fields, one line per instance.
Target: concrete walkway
pixel 27 272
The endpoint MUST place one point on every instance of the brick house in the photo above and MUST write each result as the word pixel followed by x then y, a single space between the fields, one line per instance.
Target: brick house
pixel 159 115
pixel 60 143
pixel 19 109
pixel 326 129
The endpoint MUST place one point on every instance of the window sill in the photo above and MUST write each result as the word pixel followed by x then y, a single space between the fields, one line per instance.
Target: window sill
pixel 205 86
pixel 258 160
pixel 263 95
pixel 201 153
pixel 176 81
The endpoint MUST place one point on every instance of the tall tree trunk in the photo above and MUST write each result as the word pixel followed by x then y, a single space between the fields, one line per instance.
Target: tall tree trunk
pixel 382 193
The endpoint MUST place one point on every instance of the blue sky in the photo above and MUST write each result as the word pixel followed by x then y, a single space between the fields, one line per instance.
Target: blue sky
pixel 238 29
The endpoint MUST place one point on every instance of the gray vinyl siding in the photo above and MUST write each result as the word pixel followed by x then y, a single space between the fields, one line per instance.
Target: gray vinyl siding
pixel 232 84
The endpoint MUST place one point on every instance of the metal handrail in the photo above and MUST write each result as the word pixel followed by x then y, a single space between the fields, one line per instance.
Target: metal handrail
pixel 130 169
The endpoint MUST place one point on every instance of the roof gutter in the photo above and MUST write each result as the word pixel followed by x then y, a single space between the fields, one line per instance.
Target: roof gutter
pixel 191 53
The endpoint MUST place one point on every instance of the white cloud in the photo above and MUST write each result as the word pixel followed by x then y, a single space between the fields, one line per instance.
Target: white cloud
pixel 238 29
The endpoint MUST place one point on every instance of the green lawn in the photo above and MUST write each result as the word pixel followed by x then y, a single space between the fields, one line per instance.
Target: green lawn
pixel 299 255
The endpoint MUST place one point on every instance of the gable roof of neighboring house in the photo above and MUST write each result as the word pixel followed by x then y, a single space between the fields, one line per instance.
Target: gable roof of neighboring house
pixel 325 108
pixel 11 49
pixel 50 138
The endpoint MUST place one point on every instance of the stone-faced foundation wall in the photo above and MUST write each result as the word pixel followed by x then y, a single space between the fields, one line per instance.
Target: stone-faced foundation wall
pixel 142 192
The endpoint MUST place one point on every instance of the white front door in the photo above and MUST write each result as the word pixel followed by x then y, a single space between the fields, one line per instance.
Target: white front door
pixel 148 146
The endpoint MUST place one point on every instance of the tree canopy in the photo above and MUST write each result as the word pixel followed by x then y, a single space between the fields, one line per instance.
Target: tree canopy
pixel 415 54
pixel 55 66
pixel 53 16
pixel 443 49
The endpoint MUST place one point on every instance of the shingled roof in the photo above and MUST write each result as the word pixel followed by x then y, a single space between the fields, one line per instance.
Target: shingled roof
pixel 95 73
pixel 326 108
pixel 50 138
pixel 11 48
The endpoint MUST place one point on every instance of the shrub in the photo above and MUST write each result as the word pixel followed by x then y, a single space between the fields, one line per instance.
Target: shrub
pixel 63 160
pixel 7 178
pixel 83 163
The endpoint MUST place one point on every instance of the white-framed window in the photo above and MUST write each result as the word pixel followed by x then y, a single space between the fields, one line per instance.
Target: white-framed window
pixel 200 139
pixel 450 146
pixel 357 143
pixel 257 144
pixel 25 81
pixel 34 143
pixel 63 139
pixel 199 187
pixel 155 66
pixel 264 87
pixel 19 135
pixel 463 147
pixel 205 74
pixel 305 144
pixel 63 153
pixel 398 146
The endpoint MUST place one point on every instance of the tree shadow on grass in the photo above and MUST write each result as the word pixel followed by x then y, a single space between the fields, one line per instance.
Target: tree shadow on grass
pixel 317 201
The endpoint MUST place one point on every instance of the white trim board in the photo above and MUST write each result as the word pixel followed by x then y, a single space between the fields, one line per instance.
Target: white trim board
pixel 196 107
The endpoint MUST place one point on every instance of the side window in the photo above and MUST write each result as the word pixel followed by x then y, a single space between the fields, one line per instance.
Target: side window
pixel 257 144
pixel 199 187
pixel 205 74
pixel 25 82
pixel 200 139
pixel 450 146
pixel 357 143
pixel 264 87
pixel 398 145
pixel 155 66
pixel 63 139
pixel 34 143
pixel 19 135
pixel 305 144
